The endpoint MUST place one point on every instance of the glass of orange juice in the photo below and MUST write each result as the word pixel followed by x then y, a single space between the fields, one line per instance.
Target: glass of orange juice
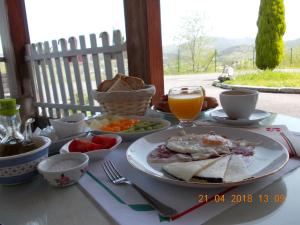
pixel 185 103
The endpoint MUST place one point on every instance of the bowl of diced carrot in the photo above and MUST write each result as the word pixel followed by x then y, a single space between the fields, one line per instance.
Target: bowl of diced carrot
pixel 128 127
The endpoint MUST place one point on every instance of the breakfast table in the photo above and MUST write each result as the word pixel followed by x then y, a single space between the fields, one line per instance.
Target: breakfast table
pixel 38 203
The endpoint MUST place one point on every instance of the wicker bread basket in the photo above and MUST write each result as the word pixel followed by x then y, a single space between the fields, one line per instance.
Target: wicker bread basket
pixel 133 102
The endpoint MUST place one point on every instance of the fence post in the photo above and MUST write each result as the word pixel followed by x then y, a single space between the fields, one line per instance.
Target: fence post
pixel 178 60
pixel 253 58
pixel 215 60
pixel 291 57
pixel 2 92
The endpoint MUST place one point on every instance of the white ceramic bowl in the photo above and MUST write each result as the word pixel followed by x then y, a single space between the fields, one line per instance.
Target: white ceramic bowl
pixel 68 126
pixel 64 170
pixel 21 168
pixel 95 154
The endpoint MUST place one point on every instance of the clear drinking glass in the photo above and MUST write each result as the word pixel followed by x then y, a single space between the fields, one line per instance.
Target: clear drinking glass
pixel 185 103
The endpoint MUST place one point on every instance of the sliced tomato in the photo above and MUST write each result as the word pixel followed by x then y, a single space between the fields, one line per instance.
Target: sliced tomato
pixel 83 146
pixel 105 141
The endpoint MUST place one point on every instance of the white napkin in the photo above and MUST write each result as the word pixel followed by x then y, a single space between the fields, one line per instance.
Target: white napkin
pixel 294 138
pixel 46 132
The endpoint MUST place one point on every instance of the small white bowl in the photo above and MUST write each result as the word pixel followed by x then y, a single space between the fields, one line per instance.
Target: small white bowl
pixel 68 126
pixel 95 154
pixel 64 170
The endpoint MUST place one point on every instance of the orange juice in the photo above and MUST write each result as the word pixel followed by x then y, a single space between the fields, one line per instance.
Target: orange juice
pixel 185 106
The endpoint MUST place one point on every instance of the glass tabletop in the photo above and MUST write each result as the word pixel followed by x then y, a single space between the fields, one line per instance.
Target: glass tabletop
pixel 37 203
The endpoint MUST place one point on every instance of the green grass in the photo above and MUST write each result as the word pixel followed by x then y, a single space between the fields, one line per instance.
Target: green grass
pixel 268 79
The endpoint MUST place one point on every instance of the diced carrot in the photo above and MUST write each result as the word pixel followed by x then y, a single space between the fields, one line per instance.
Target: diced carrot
pixel 116 129
pixel 120 125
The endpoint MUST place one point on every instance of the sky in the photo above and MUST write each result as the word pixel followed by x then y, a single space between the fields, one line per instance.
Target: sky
pixel 234 19
pixel 225 18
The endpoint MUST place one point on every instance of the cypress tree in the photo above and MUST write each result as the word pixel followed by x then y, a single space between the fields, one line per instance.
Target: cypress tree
pixel 269 39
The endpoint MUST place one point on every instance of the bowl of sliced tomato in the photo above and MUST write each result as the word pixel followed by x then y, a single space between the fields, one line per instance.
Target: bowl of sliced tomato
pixel 95 146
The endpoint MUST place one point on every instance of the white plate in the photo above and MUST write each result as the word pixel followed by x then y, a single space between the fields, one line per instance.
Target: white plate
pixel 95 154
pixel 138 152
pixel 135 135
pixel 256 116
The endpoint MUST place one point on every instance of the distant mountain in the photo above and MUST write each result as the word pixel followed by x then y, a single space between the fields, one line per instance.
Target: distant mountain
pixel 292 43
pixel 226 47
pixel 238 48
pixel 236 54
pixel 220 43
pixel 170 49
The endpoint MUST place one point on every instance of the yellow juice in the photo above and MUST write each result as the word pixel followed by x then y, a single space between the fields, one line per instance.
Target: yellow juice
pixel 185 106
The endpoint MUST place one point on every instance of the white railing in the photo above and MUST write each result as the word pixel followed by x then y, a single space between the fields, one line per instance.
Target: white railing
pixel 64 73
pixel 4 89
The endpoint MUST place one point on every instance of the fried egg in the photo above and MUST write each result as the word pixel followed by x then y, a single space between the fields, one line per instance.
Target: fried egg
pixel 200 146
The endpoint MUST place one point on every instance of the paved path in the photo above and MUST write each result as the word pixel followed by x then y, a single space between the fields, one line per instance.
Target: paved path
pixel 288 104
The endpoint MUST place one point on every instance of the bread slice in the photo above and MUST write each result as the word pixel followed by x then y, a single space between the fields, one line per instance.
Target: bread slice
pixel 186 170
pixel 215 172
pixel 120 85
pixel 107 84
pixel 134 82
pixel 236 170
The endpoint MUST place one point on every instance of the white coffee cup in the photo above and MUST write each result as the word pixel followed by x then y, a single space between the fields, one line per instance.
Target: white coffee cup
pixel 239 104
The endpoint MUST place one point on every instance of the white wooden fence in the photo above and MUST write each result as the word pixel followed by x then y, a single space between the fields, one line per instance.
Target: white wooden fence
pixel 64 73
pixel 1 81
pixel 4 89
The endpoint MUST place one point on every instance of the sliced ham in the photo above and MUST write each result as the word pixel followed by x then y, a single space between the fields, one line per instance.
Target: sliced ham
pixel 163 155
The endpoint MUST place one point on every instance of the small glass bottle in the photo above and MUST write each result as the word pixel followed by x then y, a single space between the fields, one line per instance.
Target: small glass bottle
pixel 10 119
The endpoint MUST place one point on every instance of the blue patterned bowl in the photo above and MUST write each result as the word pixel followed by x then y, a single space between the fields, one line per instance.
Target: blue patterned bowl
pixel 21 168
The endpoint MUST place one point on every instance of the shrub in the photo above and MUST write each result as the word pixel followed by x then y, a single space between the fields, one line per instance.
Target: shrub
pixel 271 28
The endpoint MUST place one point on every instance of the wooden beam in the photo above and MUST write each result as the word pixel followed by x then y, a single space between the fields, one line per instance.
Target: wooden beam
pixel 19 34
pixel 16 36
pixel 144 45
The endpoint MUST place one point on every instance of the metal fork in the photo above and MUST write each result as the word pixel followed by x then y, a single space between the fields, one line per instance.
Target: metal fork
pixel 115 177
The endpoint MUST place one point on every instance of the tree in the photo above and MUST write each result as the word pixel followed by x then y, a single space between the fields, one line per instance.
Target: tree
pixel 193 38
pixel 271 28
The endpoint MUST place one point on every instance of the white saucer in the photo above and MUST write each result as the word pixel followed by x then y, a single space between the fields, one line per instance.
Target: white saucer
pixel 256 116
